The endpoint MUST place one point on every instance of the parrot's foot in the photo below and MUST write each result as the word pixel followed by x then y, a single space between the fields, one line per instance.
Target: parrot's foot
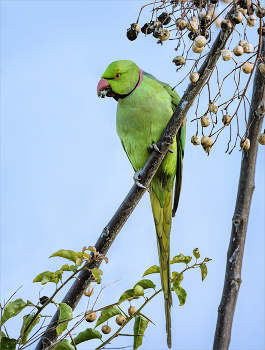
pixel 136 179
pixel 155 147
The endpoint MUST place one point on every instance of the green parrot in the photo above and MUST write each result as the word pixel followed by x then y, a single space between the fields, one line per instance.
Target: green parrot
pixel 145 106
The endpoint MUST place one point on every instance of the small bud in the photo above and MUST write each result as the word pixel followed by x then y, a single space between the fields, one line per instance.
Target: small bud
pixel 206 141
pixel 205 121
pixel 248 48
pixel 238 50
pixel 226 55
pixel 200 41
pixel 213 108
pixel 179 61
pixel 132 310
pixel 261 139
pixel 247 68
pixel 261 67
pixel 226 119
pixel 89 291
pixel 120 320
pixel 245 144
pixel 195 139
pixel 194 77
pixel 251 21
pixel 106 329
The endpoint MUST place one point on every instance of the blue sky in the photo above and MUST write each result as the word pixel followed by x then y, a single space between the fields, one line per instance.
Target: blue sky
pixel 64 172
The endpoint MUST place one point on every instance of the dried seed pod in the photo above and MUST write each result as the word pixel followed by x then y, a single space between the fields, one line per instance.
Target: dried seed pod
pixel 245 3
pixel 132 310
pixel 218 22
pixel 106 329
pixel 206 141
pixel 179 61
pixel 207 149
pixel 226 55
pixel 197 49
pixel 158 29
pixel 260 11
pixel 200 3
pixel 136 27
pixel 43 300
pixel 245 144
pixel 89 291
pixel 262 31
pixel 195 139
pixel 213 108
pixel 90 316
pixel 248 48
pixel 204 18
pixel 261 67
pixel 244 11
pixel 237 17
pixel 200 41
pixel 194 77
pixel 242 42
pixel 226 25
pixel 164 18
pixel 181 24
pixel 192 24
pixel 120 320
pixel 238 50
pixel 205 121
pixel 192 35
pixel 252 21
pixel 261 139
pixel 247 68
pixel 226 119
pixel 164 36
pixel 146 29
pixel 131 34
pixel 214 1
pixel 226 1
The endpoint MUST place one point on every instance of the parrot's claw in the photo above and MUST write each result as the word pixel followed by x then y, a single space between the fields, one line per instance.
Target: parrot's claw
pixel 155 147
pixel 136 179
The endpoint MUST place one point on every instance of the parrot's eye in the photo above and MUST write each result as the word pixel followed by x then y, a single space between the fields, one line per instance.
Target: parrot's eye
pixel 117 76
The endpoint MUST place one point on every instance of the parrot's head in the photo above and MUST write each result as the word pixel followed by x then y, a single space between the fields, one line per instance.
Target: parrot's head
pixel 120 79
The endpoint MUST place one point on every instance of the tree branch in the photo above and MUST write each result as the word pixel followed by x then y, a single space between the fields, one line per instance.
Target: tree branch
pixel 112 229
pixel 240 219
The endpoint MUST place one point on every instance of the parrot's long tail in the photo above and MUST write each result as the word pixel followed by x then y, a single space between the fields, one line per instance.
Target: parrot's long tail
pixel 163 218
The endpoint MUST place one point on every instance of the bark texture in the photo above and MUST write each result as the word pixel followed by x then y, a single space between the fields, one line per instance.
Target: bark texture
pixel 241 214
pixel 110 232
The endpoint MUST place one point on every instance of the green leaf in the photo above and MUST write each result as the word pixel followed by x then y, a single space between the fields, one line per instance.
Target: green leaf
pixel 181 259
pixel 26 321
pixel 145 283
pixel 181 293
pixel 152 269
pixel 203 271
pixel 67 254
pixel 73 268
pixel 97 275
pixel 138 290
pixel 206 260
pixel 140 325
pixel 3 334
pixel 66 267
pixel 196 253
pixel 92 249
pixel 48 276
pixel 177 278
pixel 13 308
pixel 126 295
pixel 66 314
pixel 8 344
pixel 88 334
pixel 63 345
pixel 107 313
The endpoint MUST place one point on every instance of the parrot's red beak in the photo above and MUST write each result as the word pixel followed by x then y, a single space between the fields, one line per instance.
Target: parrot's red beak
pixel 104 89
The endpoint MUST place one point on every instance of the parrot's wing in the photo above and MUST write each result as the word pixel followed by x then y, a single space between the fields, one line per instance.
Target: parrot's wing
pixel 126 153
pixel 180 138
